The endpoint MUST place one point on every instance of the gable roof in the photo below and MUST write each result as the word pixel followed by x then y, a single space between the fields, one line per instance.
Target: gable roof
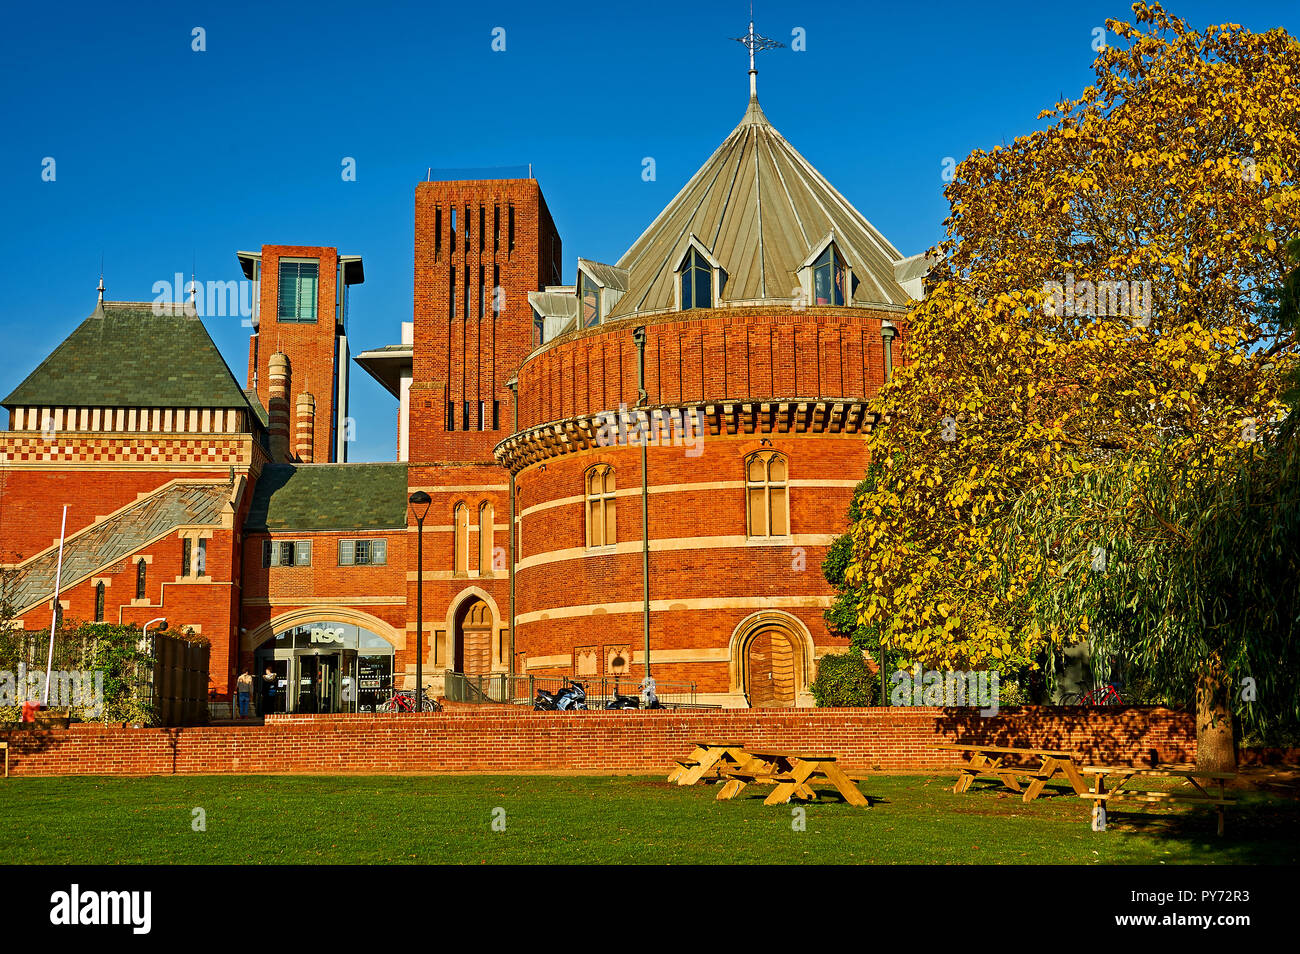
pixel 124 355
pixel 758 206
pixel 329 497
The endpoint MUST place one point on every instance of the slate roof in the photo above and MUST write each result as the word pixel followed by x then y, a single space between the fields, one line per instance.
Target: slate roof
pixel 124 355
pixel 104 543
pixel 760 208
pixel 255 403
pixel 329 497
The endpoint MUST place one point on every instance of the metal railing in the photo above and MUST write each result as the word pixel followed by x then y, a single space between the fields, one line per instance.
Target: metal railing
pixel 500 688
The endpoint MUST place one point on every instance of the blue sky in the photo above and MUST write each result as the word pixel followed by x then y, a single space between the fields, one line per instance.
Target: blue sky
pixel 168 160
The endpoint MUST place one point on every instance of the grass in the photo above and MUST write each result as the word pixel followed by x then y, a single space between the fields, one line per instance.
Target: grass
pixel 295 819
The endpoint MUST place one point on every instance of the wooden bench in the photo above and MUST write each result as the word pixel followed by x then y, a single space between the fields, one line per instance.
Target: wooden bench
pixel 988 760
pixel 793 776
pixel 707 762
pixel 1122 774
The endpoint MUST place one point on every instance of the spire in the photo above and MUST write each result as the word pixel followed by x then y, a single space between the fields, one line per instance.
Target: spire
pixel 755 44
pixel 99 305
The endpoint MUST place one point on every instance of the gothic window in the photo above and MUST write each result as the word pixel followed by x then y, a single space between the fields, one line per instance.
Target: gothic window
pixel 460 524
pixel 99 602
pixel 600 506
pixel 485 539
pixel 141 588
pixel 767 495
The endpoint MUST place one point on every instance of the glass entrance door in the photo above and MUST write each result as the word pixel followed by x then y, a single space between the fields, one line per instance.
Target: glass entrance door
pixel 328 667
pixel 306 673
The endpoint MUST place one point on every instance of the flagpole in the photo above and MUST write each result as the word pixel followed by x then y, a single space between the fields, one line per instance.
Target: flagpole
pixel 54 611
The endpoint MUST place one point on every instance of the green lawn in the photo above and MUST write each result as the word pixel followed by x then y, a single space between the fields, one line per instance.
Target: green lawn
pixel 448 819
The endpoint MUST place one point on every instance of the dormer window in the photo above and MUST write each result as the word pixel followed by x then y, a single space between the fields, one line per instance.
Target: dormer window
pixel 700 277
pixel 589 300
pixel 825 278
pixel 697 281
pixel 829 278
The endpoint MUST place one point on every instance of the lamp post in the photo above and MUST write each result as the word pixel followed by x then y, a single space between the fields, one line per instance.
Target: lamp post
pixel 419 502
pixel 144 634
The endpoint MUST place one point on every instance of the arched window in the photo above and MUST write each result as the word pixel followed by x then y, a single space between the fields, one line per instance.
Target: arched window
pixel 600 506
pixel 485 567
pixel 140 580
pixel 460 523
pixel 697 281
pixel 99 602
pixel 829 278
pixel 767 495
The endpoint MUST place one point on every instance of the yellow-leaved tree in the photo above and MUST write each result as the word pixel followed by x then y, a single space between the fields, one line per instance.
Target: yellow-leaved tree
pixel 1098 299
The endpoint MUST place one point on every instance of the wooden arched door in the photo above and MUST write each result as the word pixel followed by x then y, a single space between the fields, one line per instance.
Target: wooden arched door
pixel 474 639
pixel 771 671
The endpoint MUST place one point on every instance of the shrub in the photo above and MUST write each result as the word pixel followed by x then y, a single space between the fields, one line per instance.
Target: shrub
pixel 845 679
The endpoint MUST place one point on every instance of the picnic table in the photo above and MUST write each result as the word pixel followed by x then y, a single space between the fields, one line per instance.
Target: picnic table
pixel 1120 775
pixel 1045 764
pixel 793 776
pixel 707 762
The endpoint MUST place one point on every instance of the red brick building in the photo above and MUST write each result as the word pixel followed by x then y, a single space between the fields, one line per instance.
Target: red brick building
pixel 696 410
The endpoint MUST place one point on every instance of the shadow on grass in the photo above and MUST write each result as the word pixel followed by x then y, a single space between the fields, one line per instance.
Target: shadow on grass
pixel 1257 829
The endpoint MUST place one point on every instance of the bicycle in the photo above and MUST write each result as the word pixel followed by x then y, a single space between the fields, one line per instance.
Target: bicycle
pixel 403 700
pixel 1105 695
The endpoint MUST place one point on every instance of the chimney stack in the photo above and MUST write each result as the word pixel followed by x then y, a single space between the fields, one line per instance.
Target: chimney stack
pixel 306 427
pixel 278 412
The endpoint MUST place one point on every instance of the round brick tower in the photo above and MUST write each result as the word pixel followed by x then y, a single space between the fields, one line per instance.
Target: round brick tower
pixel 718 379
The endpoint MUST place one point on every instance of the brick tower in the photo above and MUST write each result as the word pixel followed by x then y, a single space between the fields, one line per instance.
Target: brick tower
pixel 480 248
pixel 298 354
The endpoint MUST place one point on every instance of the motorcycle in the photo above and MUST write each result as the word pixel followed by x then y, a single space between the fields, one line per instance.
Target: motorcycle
pixel 571 697
pixel 623 702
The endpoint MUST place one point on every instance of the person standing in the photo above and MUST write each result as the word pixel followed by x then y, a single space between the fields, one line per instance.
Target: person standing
pixel 244 688
pixel 268 690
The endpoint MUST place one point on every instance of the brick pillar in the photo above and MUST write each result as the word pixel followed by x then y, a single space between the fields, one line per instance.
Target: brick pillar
pixel 278 411
pixel 306 423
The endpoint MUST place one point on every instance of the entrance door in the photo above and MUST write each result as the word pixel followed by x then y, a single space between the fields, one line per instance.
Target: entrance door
pixel 474 640
pixel 770 670
pixel 307 668
pixel 327 683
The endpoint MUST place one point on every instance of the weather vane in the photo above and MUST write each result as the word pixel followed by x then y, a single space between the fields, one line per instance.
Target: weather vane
pixel 755 44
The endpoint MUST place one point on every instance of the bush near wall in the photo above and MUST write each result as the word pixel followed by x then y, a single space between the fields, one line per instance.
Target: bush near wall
pixel 844 680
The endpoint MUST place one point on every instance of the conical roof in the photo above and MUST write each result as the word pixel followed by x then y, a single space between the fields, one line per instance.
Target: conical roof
pixel 760 209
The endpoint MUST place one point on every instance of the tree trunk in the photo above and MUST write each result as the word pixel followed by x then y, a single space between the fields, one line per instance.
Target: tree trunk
pixel 1216 745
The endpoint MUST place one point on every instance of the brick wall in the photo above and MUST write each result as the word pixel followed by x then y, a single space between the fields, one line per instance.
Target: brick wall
pixel 589 742
pixel 721 354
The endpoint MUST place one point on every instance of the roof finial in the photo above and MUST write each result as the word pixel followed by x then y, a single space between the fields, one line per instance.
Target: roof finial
pixel 100 289
pixel 755 44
